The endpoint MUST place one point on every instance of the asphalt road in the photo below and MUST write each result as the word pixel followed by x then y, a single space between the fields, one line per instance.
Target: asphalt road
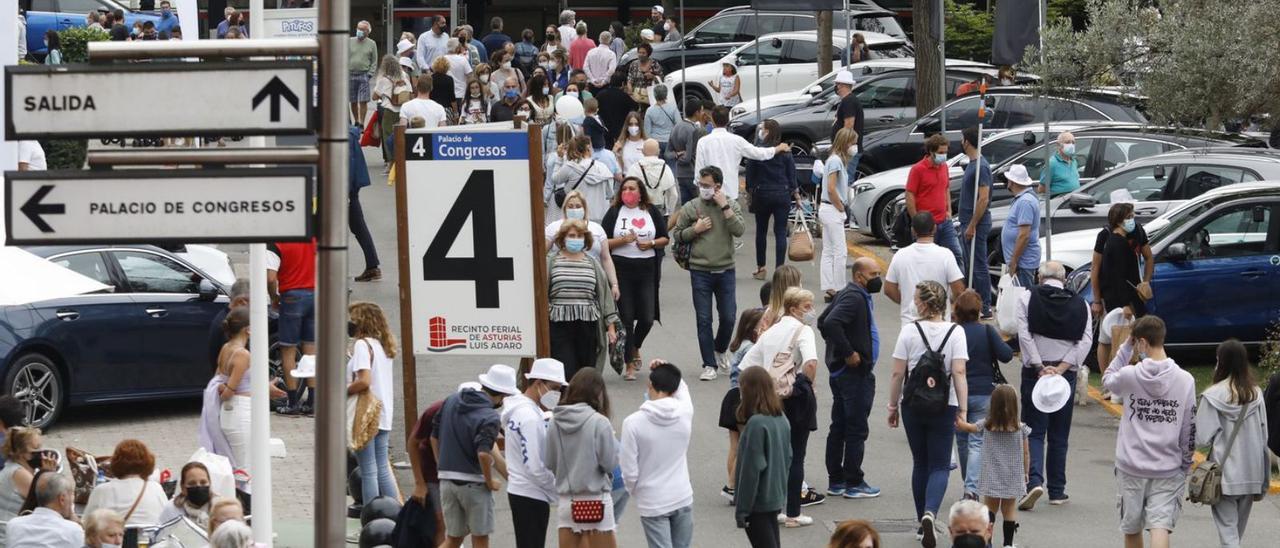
pixel 1089 520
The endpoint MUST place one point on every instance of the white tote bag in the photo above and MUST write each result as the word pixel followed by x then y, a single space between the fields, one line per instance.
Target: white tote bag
pixel 1007 305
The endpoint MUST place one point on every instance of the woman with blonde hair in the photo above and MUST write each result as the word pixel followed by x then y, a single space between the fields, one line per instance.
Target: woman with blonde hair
pixel 20 446
pixel 784 277
pixel 575 208
pixel 103 528
pixel 582 308
pixel 223 510
pixel 854 533
pixel 834 194
pixel 391 88
pixel 442 87
pixel 369 369
pixel 581 172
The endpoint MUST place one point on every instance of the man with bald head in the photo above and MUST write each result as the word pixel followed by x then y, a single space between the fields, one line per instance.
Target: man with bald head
pixel 504 109
pixel 659 181
pixel 1063 175
pixel 848 326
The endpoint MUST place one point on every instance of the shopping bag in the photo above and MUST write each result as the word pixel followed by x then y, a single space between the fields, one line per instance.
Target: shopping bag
pixel 800 244
pixel 372 137
pixel 1007 305
pixel 222 480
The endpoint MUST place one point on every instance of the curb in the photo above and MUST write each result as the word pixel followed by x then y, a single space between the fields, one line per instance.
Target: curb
pixel 1117 411
pixel 856 250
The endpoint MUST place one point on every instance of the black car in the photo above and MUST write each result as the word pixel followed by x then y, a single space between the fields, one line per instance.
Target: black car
pixel 146 339
pixel 735 26
pixel 1008 107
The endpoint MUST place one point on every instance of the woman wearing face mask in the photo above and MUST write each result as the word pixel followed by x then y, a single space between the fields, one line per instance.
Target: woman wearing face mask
pixel 193 498
pixel 553 41
pixel 558 72
pixel 643 74
pixel 391 89
pixel 22 459
pixel 575 209
pixel 772 184
pixel 793 338
pixel 629 145
pixel 484 75
pixel 502 60
pixel 834 193
pixel 584 174
pixel 637 235
pixel 1115 274
pixel 369 369
pixel 104 529
pixel 581 307
pixel 539 97
pixel 573 90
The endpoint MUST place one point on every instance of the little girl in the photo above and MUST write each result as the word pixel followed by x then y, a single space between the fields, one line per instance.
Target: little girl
pixel 729 86
pixel 1006 457
pixel 744 337
pixel 475 108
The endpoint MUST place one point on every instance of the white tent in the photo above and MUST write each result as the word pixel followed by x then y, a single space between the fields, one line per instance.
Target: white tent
pixel 26 278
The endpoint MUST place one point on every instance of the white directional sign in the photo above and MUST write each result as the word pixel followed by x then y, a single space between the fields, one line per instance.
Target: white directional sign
pixel 158 100
pixel 156 206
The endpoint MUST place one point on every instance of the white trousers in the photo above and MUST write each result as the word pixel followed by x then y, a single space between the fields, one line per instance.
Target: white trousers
pixel 833 270
pixel 234 420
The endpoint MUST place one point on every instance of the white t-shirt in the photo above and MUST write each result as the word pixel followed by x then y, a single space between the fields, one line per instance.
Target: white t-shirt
pixel 909 346
pixel 632 152
pixel 919 262
pixel 637 220
pixel 459 68
pixel 598 237
pixel 1112 320
pixel 380 381
pixel 776 339
pixel 429 110
pixel 32 154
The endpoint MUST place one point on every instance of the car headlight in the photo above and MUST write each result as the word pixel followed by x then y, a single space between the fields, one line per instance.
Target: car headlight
pixel 737 111
pixel 862 187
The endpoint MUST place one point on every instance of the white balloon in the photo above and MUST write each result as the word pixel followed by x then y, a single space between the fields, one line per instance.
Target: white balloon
pixel 568 108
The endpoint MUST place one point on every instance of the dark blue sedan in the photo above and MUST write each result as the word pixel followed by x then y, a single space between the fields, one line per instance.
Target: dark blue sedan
pixel 147 339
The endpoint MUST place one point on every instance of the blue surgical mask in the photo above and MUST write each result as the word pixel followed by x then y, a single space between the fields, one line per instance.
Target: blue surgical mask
pixel 575 245
pixel 511 93
pixel 939 159
pixel 575 213
pixel 1069 149
pixel 1130 225
pixel 360 34
pixel 546 90
pixel 165 12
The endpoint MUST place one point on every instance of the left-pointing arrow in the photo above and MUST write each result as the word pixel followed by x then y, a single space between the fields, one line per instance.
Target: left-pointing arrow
pixel 33 209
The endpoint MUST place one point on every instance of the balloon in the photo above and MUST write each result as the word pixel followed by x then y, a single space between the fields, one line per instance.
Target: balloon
pixel 568 107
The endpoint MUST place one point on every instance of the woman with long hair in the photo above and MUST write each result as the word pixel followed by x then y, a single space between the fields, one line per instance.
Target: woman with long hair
pixel 581 306
pixel 637 235
pixel 772 184
pixel 784 277
pixel 761 480
pixel 1235 401
pixel 21 448
pixel 929 435
pixel 833 194
pixel 484 75
pixel 581 172
pixel 233 392
pixel 475 107
pixel 582 452
pixel 539 96
pixel 744 337
pixel 629 144
pixel 369 369
pixel 556 137
pixel 53 42
pixel 504 68
pixel 391 89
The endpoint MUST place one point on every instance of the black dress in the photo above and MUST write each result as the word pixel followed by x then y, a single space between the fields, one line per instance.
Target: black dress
pixel 1119 270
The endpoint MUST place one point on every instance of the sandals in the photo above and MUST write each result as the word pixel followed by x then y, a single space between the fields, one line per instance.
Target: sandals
pixel 632 367
pixel 759 274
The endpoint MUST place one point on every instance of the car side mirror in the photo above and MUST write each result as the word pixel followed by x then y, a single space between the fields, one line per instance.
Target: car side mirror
pixel 1176 252
pixel 814 90
pixel 1028 138
pixel 207 291
pixel 1259 214
pixel 928 124
pixel 1159 173
pixel 1081 202
pixel 963 161
pixel 776 43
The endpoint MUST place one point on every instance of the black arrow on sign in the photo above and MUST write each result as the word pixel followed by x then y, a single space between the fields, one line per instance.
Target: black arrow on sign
pixel 33 209
pixel 276 90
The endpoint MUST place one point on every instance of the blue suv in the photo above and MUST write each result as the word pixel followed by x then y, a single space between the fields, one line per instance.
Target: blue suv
pixel 59 15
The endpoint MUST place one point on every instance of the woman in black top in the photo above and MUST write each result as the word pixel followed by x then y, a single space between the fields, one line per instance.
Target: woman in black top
pixel 637 234
pixel 772 184
pixel 1114 275
pixel 442 87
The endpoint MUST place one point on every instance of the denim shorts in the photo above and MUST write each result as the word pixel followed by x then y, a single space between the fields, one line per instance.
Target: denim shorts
pixel 297 317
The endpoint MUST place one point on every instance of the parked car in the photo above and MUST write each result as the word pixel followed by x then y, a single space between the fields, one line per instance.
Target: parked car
pixel 1009 107
pixel 787 61
pixel 1216 275
pixel 149 339
pixel 1157 183
pixel 60 15
pixel 735 26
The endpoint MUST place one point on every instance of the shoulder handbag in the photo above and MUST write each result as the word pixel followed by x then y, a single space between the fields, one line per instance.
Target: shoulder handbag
pixel 783 370
pixel 560 192
pixel 800 243
pixel 997 375
pixel 583 511
pixel 135 501
pixel 363 413
pixel 1204 485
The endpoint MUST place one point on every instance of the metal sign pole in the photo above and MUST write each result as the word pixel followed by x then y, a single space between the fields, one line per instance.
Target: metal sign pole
pixel 331 280
pixel 1048 196
pixel 977 182
pixel 942 61
pixel 848 36
pixel 259 377
pixel 757 65
pixel 684 88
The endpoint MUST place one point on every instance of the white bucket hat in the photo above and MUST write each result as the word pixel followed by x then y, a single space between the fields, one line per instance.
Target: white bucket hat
pixel 403 46
pixel 547 369
pixel 306 368
pixel 1018 174
pixel 1051 393
pixel 469 385
pixel 844 77
pixel 500 379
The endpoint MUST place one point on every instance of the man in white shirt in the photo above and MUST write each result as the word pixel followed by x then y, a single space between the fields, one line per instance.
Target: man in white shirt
pixel 432 44
pixel 31 156
pixel 531 485
pixel 920 261
pixel 459 66
pixel 431 112
pixel 50 525
pixel 568 28
pixel 600 62
pixel 653 458
pixel 658 179
pixel 726 150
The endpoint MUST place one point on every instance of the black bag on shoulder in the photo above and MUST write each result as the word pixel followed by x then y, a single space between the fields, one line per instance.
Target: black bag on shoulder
pixel 560 192
pixel 928 387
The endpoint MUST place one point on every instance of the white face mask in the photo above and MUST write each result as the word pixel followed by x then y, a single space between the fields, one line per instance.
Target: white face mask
pixel 706 193
pixel 484 78
pixel 550 400
pixel 506 65
pixel 810 317
pixel 762 134
pixel 633 130
pixel 575 213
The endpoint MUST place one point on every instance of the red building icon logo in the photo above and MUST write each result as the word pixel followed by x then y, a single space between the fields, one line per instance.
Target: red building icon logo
pixel 438 336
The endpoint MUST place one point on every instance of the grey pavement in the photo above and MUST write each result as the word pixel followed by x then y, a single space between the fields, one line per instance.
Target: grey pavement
pixel 1089 520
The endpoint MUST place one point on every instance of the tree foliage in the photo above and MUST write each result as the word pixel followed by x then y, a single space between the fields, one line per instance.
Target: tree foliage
pixel 968 32
pixel 75 43
pixel 71 153
pixel 1198 62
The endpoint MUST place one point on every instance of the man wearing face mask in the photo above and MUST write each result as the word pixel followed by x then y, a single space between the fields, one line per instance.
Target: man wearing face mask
pixel 848 115
pixel 433 43
pixel 1064 171
pixel 970 525
pixel 168 21
pixel 53 523
pixel 531 486
pixel 504 109
pixel 975 218
pixel 362 62
pixel 848 326
pixel 929 190
pixel 653 458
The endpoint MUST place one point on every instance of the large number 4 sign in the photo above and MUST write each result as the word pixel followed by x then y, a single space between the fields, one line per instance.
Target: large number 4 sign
pixel 485 267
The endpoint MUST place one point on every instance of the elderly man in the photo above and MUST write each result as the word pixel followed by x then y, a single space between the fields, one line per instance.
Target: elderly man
pixel 568 28
pixel 223 26
pixel 1064 172
pixel 969 524
pixel 504 109
pixel 1055 332
pixel 433 43
pixel 600 63
pixel 1020 240
pixel 52 524
pixel 362 60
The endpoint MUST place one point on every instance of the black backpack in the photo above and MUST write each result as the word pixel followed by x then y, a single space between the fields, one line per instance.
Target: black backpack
pixel 928 387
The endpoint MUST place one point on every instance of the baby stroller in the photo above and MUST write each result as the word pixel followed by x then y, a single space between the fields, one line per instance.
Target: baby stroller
pixel 805 210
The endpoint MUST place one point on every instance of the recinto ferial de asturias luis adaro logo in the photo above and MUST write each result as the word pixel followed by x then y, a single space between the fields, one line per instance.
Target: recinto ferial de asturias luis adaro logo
pixel 438 336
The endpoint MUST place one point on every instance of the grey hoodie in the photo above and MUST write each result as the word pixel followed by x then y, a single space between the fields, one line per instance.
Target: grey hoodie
pixel 580 450
pixel 1157 430
pixel 1246 470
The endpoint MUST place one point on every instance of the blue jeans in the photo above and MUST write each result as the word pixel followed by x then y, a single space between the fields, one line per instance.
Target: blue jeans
pixel 930 439
pixel 1026 277
pixel 980 278
pixel 722 286
pixel 969 446
pixel 671 530
pixel 297 317
pixel 853 391
pixel 1057 427
pixel 375 469
pixel 946 236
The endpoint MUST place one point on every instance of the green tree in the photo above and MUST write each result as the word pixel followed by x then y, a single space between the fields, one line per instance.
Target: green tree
pixel 71 153
pixel 968 32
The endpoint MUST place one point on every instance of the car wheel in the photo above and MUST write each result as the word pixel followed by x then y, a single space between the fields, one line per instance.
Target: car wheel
pixel 694 92
pixel 883 214
pixel 799 145
pixel 995 256
pixel 35 381
pixel 864 169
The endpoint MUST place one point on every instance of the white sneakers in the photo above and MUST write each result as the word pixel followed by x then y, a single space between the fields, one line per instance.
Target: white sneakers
pixel 708 374
pixel 722 361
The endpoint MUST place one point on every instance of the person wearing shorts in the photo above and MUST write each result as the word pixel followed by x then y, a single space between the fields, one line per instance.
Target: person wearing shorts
pixel 468 509
pixel 291 280
pixel 1149 504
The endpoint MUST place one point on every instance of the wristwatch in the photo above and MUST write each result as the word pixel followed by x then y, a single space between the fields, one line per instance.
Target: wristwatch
pixel 725 207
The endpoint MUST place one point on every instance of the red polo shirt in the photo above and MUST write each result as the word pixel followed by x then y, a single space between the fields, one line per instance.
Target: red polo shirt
pixel 932 186
pixel 297 265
